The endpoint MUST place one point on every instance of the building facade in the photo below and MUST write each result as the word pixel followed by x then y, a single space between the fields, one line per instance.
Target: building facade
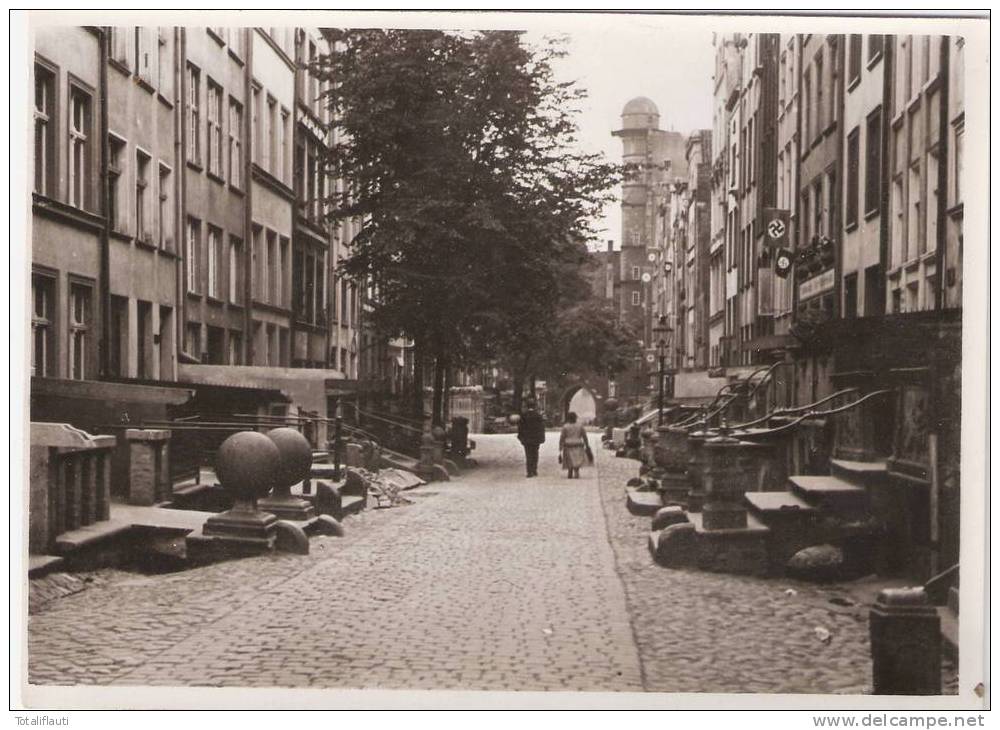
pixel 70 239
pixel 178 231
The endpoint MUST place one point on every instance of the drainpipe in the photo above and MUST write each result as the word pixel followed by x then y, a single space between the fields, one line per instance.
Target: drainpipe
pixel 295 206
pixel 944 73
pixel 103 346
pixel 180 191
pixel 888 44
pixel 797 196
pixel 248 153
pixel 838 197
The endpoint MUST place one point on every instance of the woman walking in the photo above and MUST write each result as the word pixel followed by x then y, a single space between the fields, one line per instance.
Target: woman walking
pixel 574 451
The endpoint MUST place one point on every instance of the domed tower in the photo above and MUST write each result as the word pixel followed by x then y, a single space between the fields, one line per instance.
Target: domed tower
pixel 654 157
pixel 640 152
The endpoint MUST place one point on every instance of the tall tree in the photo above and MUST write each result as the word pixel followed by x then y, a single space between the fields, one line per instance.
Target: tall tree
pixel 460 152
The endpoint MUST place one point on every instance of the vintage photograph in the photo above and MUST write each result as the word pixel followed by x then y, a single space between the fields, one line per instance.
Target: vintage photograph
pixel 490 352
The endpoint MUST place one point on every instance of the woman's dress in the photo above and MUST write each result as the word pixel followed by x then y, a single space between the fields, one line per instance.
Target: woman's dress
pixel 573 441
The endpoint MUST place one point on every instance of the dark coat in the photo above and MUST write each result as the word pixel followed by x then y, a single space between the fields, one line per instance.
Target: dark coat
pixel 531 428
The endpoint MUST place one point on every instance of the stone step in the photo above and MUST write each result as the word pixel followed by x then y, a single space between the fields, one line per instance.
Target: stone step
pixel 830 493
pixel 39 565
pixel 772 506
pixel 859 473
pixel 69 542
pixel 949 632
pixel 351 504
pixel 643 503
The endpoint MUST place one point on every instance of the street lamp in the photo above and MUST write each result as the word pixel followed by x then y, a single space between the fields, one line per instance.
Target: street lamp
pixel 663 334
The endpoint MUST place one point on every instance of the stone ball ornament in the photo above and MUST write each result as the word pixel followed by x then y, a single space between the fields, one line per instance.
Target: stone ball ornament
pixel 246 464
pixel 295 456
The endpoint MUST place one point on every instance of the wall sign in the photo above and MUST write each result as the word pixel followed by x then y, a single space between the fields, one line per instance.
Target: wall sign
pixel 817 285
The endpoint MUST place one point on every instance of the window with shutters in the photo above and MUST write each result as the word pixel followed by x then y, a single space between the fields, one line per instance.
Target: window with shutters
pixel 853 162
pixel 271 281
pixel 214 273
pixel 80 153
pixel 873 162
pixel 270 152
pixel 875 45
pixel 164 217
pixel 853 61
pixel 282 298
pixel 235 270
pixel 79 330
pixel 117 189
pixel 214 128
pixel 235 347
pixel 281 168
pixel 43 299
pixel 235 143
pixel 193 254
pixel 820 112
pixel 164 65
pixel 147 48
pixel 257 259
pixel 193 114
pixel 143 229
pixel 45 127
pixel 123 46
pixel 256 120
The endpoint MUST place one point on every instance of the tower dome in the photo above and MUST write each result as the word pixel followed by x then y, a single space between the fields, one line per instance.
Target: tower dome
pixel 640 113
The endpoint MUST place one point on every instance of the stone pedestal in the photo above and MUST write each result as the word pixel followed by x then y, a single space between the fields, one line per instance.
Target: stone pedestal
pixel 247 465
pixel 354 455
pixel 243 524
pixel 671 457
pixel 696 471
pixel 294 465
pixel 725 479
pixel 149 466
pixel 647 456
pixel 906 643
pixel 438 435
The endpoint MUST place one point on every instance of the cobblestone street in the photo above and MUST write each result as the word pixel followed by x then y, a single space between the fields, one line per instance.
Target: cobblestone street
pixel 491 581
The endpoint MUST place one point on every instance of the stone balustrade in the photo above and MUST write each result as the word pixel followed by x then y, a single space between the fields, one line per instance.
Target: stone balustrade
pixel 70 482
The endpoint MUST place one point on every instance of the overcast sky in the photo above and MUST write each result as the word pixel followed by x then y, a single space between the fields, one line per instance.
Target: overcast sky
pixel 617 61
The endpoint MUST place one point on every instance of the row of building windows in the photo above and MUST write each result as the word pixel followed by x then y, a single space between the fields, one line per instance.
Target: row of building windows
pixel 79 329
pixel 79 148
pixel 143 52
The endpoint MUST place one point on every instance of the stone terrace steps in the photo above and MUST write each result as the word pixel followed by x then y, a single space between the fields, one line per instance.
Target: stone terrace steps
pixel 351 504
pixel 768 505
pixel 829 493
pixel 860 473
pixel 642 503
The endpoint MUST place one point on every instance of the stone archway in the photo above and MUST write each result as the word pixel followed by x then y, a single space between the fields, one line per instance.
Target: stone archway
pixel 581 401
pixel 589 394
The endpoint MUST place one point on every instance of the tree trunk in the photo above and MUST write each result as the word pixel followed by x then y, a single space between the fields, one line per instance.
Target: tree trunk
pixel 531 386
pixel 518 387
pixel 418 380
pixel 437 417
pixel 446 407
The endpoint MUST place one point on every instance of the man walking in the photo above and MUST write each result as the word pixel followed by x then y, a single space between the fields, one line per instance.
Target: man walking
pixel 531 434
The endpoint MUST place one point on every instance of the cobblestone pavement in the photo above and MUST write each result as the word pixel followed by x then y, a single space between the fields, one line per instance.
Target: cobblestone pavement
pixel 492 581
